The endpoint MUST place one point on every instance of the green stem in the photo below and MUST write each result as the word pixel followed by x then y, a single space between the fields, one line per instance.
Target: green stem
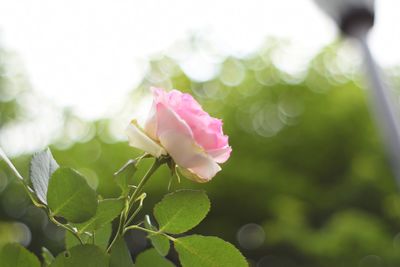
pixel 32 196
pixel 157 163
pixel 116 235
pixel 124 215
pixel 128 221
pixel 28 190
pixel 132 227
pixel 66 228
pixel 93 237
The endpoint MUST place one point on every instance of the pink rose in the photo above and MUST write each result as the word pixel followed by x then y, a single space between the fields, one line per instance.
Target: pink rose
pixel 178 126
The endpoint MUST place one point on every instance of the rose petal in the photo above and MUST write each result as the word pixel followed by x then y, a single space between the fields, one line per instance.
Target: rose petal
pixel 220 155
pixel 137 138
pixel 168 120
pixel 150 126
pixel 176 137
pixel 191 175
pixel 188 155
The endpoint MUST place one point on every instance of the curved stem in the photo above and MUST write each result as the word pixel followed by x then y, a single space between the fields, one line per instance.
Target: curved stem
pixel 32 196
pixel 124 215
pixel 28 190
pixel 157 163
pixel 132 227
pixel 66 228
pixel 128 221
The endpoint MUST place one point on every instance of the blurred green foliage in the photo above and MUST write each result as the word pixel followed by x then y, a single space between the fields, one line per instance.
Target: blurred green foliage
pixel 11 86
pixel 307 166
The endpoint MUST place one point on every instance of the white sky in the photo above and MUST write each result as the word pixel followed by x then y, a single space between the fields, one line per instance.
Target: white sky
pixel 87 54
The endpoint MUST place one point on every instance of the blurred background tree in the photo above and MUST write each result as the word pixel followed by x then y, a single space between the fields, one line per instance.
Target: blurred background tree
pixel 307 184
pixel 12 85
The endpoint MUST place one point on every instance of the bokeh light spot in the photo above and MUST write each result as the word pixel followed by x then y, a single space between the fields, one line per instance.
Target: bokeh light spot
pixel 371 261
pixel 251 236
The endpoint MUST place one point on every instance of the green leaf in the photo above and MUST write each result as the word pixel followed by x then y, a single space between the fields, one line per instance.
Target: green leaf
pixel 100 224
pixel 101 238
pixel 120 255
pixel 48 258
pixel 107 211
pixel 70 196
pixel 208 251
pixel 15 255
pixel 180 211
pixel 71 241
pixel 42 166
pixel 160 242
pixel 82 255
pixel 151 258
pixel 124 176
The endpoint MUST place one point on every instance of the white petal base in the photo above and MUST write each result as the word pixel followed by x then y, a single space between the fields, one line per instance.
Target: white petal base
pixel 137 138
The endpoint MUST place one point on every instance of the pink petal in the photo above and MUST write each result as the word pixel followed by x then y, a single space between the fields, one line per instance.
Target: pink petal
pixel 177 138
pixel 150 126
pixel 220 155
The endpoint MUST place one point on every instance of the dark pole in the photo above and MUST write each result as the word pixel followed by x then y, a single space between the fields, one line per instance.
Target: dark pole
pixel 386 111
pixel 355 19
